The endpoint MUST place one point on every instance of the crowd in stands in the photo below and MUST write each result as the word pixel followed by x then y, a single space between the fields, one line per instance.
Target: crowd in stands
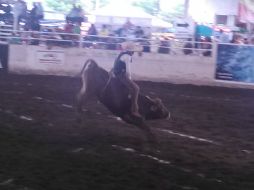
pixel 108 38
pixel 5 15
pixel 14 14
pixel 76 15
pixel 103 37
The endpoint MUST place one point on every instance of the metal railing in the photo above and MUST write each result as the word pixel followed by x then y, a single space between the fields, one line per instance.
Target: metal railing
pixel 63 39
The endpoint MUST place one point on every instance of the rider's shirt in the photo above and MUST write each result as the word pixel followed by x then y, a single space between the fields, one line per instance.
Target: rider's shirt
pixel 122 64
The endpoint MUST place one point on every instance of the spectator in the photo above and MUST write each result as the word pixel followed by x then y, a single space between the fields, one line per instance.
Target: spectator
pixel 39 11
pixel 76 28
pixel 91 36
pixel 52 38
pixel 111 43
pixel 234 37
pixel 73 14
pixel 223 37
pixel 128 25
pixel 245 41
pixel 35 16
pixel 146 45
pixel 35 40
pixel 81 14
pixel 103 36
pixel 7 9
pixel 68 28
pixel 164 46
pixel 77 31
pixel 92 30
pixel 7 16
pixel 104 31
pixel 19 12
pixel 139 33
pixel 121 32
pixel 76 15
pixel 237 39
pixel 92 33
pixel 188 47
pixel 207 46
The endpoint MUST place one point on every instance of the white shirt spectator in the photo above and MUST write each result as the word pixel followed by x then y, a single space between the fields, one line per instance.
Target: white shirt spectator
pixel 224 38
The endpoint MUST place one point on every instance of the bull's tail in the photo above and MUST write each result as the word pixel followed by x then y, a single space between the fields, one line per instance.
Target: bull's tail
pixel 89 62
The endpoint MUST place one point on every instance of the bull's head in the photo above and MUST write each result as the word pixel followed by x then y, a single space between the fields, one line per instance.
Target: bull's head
pixel 156 109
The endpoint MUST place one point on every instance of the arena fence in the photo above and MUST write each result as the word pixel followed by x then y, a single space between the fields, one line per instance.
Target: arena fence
pixel 52 53
pixel 4 52
pixel 155 44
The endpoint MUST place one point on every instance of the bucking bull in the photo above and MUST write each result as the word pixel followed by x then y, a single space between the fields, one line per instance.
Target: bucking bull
pixel 116 97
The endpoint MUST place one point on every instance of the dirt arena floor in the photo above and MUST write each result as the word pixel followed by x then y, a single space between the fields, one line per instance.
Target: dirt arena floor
pixel 207 145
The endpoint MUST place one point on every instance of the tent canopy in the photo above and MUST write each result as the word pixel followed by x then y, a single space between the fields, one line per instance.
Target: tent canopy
pixel 156 22
pixel 117 13
pixel 121 9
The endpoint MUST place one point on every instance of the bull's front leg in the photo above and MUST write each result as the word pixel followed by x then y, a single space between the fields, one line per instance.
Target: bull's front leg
pixel 83 94
pixel 81 99
pixel 79 107
pixel 149 135
pixel 139 122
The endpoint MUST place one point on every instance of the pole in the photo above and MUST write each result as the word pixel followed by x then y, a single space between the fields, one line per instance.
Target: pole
pixel 97 4
pixel 186 8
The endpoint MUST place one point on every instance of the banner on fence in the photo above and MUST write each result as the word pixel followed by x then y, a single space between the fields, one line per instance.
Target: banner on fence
pixel 50 57
pixel 235 63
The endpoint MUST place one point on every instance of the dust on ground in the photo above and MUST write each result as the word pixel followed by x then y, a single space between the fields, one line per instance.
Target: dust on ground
pixel 207 144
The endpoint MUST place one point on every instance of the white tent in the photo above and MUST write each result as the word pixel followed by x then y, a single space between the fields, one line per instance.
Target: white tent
pixel 156 22
pixel 122 10
pixel 117 14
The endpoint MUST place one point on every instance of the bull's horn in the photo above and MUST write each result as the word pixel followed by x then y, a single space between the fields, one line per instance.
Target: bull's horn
pixel 148 97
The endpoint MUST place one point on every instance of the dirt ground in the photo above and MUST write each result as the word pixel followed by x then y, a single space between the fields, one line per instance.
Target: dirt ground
pixel 208 144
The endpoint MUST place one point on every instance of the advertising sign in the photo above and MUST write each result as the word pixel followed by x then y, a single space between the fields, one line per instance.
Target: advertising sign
pixel 184 28
pixel 235 63
pixel 50 57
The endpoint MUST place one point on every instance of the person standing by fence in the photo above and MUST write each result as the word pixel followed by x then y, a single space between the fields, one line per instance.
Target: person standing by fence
pixel 19 12
pixel 35 16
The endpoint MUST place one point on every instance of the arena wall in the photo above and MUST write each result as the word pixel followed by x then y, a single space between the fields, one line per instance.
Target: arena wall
pixel 197 70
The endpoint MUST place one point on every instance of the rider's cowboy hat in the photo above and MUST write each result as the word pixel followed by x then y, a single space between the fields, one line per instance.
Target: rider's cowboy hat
pixel 131 46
